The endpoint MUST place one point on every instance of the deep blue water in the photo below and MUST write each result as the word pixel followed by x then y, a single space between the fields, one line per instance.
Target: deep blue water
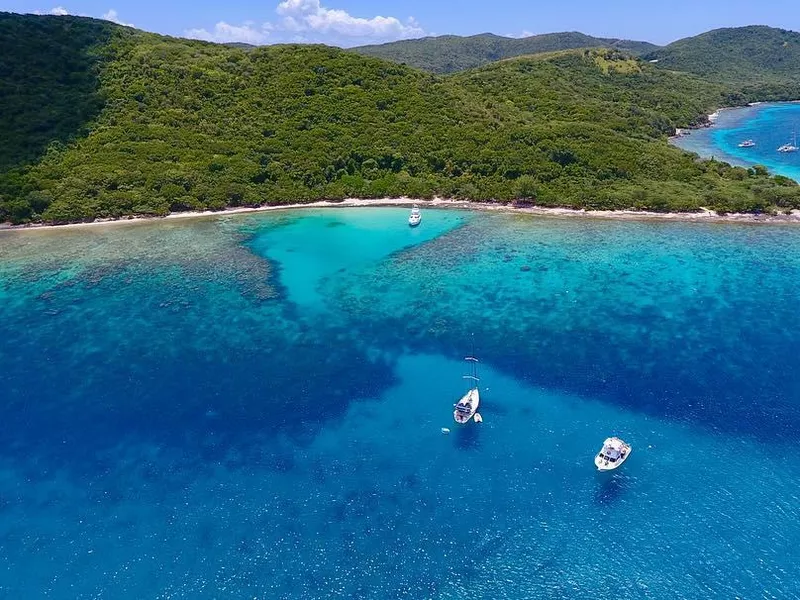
pixel 770 126
pixel 250 407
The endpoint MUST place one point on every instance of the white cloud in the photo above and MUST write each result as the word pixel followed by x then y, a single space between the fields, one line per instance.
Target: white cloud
pixel 523 34
pixel 309 21
pixel 311 16
pixel 58 10
pixel 112 15
pixel 224 32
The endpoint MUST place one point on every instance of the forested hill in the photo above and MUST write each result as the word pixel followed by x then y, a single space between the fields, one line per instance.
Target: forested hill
pixel 99 120
pixel 49 87
pixel 744 56
pixel 755 61
pixel 451 53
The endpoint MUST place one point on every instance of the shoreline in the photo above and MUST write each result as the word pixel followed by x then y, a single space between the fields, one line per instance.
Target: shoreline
pixel 703 215
pixel 708 149
pixel 711 151
pixel 711 121
pixel 711 118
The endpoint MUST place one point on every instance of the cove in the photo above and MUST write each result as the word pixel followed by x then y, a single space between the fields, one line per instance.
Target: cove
pixel 769 125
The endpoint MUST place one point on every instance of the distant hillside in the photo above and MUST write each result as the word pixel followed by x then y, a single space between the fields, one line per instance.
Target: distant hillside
pixel 451 53
pixel 242 45
pixel 99 120
pixel 748 57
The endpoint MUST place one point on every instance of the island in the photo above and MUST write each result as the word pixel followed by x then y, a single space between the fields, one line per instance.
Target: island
pixel 102 121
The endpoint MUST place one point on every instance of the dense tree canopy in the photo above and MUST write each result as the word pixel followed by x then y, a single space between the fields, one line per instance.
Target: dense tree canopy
pixel 451 53
pixel 738 55
pixel 145 124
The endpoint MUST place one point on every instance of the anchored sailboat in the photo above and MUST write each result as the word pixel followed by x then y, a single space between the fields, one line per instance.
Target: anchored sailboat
pixel 790 147
pixel 467 407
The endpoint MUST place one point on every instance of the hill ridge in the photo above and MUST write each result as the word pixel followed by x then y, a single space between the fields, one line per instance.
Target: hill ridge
pixel 451 53
pixel 753 56
pixel 165 124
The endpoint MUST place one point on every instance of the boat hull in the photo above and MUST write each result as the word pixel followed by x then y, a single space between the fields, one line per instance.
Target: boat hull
pixel 609 466
pixel 603 464
pixel 472 399
pixel 415 217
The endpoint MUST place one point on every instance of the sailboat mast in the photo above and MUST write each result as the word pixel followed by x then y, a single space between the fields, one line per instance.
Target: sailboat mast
pixel 474 361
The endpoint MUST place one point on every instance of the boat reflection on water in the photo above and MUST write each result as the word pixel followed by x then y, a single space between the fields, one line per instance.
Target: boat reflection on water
pixel 610 489
pixel 467 438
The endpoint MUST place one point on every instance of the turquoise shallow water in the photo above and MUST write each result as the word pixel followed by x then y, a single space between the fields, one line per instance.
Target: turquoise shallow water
pixel 250 407
pixel 770 126
pixel 318 247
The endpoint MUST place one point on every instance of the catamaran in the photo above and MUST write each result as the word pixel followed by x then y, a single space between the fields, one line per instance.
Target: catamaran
pixel 467 408
pixel 613 453
pixel 790 147
pixel 415 217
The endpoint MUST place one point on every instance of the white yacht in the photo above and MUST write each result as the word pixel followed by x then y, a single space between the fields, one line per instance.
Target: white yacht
pixel 613 453
pixel 467 408
pixel 747 144
pixel 415 217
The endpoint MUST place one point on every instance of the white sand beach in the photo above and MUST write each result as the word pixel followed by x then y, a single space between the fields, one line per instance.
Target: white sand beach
pixel 704 215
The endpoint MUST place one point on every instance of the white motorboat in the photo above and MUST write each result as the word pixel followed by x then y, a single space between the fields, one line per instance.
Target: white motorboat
pixel 467 408
pixel 613 453
pixel 415 217
pixel 747 144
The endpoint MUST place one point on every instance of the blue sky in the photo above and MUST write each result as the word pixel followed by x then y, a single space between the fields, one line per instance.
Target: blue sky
pixel 354 22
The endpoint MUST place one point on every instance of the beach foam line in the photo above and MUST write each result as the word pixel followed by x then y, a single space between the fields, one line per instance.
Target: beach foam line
pixel 704 215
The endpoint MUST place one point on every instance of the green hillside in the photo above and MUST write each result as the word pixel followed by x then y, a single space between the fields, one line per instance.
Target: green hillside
pixel 757 59
pixel 48 81
pixel 179 124
pixel 452 53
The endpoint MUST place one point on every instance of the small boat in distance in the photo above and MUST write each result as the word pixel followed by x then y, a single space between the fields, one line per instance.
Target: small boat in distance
pixel 613 453
pixel 790 147
pixel 747 144
pixel 415 217
pixel 467 407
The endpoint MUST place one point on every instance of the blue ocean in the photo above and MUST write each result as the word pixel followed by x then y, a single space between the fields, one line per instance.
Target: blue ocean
pixel 251 406
pixel 769 125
